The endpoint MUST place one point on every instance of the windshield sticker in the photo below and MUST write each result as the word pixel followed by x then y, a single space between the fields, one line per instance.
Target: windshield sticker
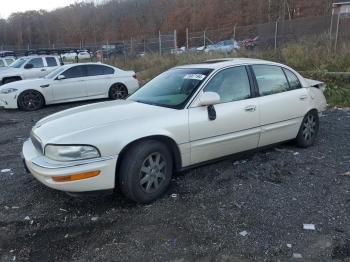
pixel 198 77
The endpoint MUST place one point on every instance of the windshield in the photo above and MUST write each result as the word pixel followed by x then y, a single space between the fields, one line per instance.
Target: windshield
pixel 172 88
pixel 18 63
pixel 54 73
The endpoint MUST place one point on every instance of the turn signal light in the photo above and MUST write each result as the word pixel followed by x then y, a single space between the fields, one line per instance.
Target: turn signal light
pixel 76 176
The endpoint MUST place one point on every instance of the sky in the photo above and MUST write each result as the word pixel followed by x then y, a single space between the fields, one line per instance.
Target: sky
pixel 11 6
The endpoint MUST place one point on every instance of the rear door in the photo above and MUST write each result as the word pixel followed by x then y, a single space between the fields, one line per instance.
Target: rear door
pixel 51 64
pixel 282 103
pixel 72 87
pixel 236 127
pixel 99 79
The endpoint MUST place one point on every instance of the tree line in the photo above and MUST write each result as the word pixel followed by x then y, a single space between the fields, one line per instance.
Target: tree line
pixel 97 22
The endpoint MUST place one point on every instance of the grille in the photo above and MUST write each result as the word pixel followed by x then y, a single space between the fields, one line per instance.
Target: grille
pixel 36 142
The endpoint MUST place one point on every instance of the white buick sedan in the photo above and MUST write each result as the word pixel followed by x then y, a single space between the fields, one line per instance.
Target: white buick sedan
pixel 186 116
pixel 73 82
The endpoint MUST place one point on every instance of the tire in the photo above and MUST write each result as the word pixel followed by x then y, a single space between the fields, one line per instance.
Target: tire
pixel 118 91
pixel 139 179
pixel 308 130
pixel 30 100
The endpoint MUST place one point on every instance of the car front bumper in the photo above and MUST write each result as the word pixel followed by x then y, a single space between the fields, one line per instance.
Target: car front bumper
pixel 8 101
pixel 43 169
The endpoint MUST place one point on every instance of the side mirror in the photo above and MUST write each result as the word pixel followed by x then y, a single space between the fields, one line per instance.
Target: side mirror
pixel 209 99
pixel 28 66
pixel 61 77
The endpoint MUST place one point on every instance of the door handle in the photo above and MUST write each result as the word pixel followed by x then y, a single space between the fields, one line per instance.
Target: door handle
pixel 43 69
pixel 250 108
pixel 303 97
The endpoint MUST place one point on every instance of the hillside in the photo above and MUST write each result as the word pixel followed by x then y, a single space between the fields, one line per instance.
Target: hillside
pixel 121 19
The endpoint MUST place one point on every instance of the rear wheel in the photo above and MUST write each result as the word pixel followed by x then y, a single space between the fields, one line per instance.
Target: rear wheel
pixel 118 91
pixel 146 171
pixel 308 130
pixel 30 100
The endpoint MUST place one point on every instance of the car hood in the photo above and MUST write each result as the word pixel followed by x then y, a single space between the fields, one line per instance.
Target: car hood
pixel 9 71
pixel 63 126
pixel 26 84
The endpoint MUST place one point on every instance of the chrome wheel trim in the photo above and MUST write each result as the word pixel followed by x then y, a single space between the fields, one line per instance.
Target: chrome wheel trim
pixel 153 173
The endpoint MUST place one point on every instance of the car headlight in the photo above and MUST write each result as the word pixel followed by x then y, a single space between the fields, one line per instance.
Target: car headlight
pixel 71 152
pixel 8 90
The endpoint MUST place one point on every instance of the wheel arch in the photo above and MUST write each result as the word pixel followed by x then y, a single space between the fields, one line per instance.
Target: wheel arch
pixel 169 142
pixel 10 77
pixel 31 90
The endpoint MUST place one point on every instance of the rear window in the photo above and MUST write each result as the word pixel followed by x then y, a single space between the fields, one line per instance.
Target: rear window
pixel 271 79
pixel 51 61
pixel 293 80
pixel 2 64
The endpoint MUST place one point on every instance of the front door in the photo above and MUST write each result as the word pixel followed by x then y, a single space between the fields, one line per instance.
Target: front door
pixel 72 87
pixel 236 127
pixel 38 70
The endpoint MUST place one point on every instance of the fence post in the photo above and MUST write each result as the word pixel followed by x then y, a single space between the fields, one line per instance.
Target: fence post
pixel 276 33
pixel 234 32
pixel 187 46
pixel 131 46
pixel 204 38
pixel 337 33
pixel 175 40
pixel 160 43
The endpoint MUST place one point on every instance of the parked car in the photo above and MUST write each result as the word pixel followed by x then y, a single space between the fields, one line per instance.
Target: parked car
pixel 5 62
pixel 7 54
pixel 184 117
pixel 84 55
pixel 70 56
pixel 29 67
pixel 226 46
pixel 68 83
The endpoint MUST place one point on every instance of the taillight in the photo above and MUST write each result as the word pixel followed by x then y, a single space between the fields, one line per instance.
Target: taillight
pixel 134 76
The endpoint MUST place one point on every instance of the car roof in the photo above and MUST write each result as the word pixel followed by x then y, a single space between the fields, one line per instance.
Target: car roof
pixel 224 62
pixel 89 63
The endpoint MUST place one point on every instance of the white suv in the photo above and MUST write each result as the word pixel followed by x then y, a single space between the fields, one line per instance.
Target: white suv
pixel 29 67
pixel 6 61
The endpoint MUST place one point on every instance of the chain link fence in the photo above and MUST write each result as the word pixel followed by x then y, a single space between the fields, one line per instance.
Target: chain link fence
pixel 267 35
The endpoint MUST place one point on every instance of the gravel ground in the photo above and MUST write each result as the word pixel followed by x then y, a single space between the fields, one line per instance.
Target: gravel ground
pixel 251 209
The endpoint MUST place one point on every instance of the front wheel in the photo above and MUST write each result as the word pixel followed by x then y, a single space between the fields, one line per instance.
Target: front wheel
pixel 30 100
pixel 146 171
pixel 308 130
pixel 118 91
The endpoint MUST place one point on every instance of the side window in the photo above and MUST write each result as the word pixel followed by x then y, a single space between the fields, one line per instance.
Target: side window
pixel 37 62
pixel 231 84
pixel 74 72
pixel 108 71
pixel 293 80
pixel 9 61
pixel 96 70
pixel 51 61
pixel 271 79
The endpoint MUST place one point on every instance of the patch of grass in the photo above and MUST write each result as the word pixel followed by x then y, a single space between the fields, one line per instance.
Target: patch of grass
pixel 312 56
